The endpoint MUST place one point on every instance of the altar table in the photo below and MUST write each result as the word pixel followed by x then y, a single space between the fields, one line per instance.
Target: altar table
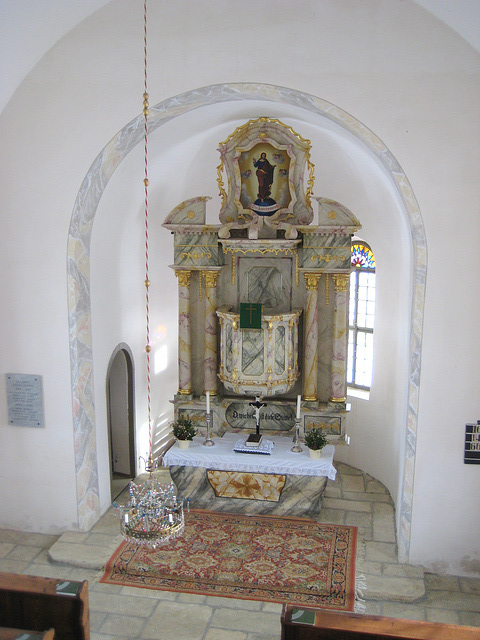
pixel 282 460
pixel 282 483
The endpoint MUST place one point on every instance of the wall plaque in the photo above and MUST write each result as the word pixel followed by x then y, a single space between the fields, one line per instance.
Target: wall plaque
pixel 24 400
pixel 472 443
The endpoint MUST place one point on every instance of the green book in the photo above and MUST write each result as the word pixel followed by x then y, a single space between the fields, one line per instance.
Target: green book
pixel 68 588
pixel 250 315
pixel 303 616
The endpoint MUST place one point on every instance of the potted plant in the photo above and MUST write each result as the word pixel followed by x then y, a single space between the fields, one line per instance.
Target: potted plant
pixel 184 431
pixel 315 440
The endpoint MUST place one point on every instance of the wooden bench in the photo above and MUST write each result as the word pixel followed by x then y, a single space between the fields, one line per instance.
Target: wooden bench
pixel 38 604
pixel 16 634
pixel 335 625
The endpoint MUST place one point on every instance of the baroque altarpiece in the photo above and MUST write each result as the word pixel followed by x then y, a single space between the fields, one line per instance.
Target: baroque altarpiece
pixel 263 295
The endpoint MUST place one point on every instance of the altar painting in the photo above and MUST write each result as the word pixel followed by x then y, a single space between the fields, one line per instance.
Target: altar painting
pixel 264 171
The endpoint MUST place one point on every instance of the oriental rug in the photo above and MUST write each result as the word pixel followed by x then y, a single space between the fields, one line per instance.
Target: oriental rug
pixel 292 560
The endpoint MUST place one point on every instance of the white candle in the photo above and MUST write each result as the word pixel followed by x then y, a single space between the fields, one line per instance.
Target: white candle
pixel 299 400
pixel 208 401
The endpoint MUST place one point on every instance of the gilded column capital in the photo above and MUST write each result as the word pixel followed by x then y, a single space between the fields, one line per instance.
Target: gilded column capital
pixel 211 278
pixel 312 280
pixel 341 281
pixel 183 278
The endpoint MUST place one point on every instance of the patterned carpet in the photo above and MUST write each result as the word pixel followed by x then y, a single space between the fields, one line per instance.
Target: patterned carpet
pixel 290 560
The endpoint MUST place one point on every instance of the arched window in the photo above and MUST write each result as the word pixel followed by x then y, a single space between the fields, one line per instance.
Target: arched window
pixel 361 317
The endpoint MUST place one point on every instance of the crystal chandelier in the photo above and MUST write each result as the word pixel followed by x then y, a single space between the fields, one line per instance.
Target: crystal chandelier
pixel 154 515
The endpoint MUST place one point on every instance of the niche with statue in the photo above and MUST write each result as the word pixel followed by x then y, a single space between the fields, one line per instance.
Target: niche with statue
pixel 263 294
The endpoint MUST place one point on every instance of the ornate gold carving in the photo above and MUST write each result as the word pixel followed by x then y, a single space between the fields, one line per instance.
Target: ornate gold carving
pixel 196 255
pixel 313 398
pixel 211 278
pixel 191 214
pixel 327 289
pixel 341 281
pixel 344 399
pixel 286 250
pixel 244 128
pixel 328 258
pixel 312 280
pixel 183 278
pixel 310 182
pixel 332 215
pixel 223 193
pixel 184 392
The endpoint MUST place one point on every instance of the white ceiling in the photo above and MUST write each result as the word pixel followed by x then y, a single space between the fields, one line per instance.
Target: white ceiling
pixel 29 28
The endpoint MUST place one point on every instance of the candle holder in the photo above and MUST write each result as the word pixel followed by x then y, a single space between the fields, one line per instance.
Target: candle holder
pixel 208 442
pixel 296 440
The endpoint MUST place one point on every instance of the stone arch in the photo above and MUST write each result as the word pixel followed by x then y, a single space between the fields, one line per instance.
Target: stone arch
pixel 78 272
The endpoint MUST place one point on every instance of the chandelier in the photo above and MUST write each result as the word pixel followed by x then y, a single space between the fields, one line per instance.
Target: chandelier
pixel 154 515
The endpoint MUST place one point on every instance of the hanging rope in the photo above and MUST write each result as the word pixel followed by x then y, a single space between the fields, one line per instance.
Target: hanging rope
pixel 147 280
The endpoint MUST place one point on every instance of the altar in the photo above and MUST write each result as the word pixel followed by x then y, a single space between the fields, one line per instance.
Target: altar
pixel 220 479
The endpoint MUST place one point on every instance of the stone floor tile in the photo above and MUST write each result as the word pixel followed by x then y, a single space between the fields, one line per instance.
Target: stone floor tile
pixel 24 553
pixel 381 551
pixel 346 470
pixel 469 585
pixel 5 548
pixel 122 604
pixel 353 483
pixel 469 618
pixel 233 603
pixel 331 516
pixel 397 589
pixel 194 598
pixel 255 636
pixel 404 611
pixel 60 571
pixel 332 492
pixel 81 555
pixel 259 622
pixel 178 621
pixel 223 634
pixel 272 607
pixel 124 626
pixel 347 505
pixel 374 486
pixel 453 600
pixel 155 594
pixel 403 571
pixel 104 587
pixel 375 568
pixel 445 616
pixel 441 582
pixel 357 519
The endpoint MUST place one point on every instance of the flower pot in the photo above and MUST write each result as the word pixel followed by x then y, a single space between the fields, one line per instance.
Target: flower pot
pixel 183 444
pixel 315 453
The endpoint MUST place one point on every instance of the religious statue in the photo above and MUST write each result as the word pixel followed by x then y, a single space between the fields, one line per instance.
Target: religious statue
pixel 265 178
pixel 257 405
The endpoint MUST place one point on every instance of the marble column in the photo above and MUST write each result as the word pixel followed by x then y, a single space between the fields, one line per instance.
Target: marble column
pixel 184 337
pixel 210 345
pixel 311 338
pixel 340 338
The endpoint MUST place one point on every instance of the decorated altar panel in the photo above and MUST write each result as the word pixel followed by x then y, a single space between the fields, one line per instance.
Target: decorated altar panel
pixel 263 294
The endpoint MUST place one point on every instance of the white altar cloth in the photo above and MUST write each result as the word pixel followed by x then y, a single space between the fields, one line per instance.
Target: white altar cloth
pixel 221 457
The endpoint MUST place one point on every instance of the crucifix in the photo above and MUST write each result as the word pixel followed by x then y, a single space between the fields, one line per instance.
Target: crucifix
pixel 251 310
pixel 258 405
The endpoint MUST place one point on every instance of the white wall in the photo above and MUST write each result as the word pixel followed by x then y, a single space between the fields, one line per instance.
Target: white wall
pixel 393 67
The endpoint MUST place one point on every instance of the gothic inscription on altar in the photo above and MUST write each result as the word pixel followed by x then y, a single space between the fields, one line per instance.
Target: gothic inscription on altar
pixel 274 417
pixel 472 443
pixel 24 400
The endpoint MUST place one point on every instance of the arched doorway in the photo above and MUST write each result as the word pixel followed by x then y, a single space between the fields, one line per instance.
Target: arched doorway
pixel 120 413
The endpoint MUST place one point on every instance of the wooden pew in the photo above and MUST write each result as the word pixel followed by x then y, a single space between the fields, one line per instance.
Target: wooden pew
pixel 16 634
pixel 36 603
pixel 322 624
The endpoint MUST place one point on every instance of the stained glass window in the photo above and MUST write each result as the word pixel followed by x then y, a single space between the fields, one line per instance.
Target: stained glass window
pixel 361 317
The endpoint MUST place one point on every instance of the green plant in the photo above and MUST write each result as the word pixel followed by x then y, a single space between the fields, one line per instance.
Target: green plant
pixel 315 438
pixel 183 429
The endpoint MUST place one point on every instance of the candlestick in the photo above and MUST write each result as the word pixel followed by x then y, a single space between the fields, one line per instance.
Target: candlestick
pixel 208 442
pixel 299 400
pixel 296 440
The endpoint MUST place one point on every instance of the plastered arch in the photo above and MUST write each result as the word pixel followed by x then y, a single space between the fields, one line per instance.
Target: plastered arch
pixel 78 271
